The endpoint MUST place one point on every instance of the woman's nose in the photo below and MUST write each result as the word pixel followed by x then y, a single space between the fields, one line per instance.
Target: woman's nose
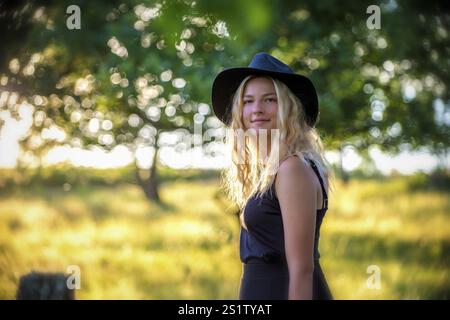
pixel 258 107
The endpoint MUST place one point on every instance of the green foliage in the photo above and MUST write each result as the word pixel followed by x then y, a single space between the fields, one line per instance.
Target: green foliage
pixel 437 180
pixel 357 71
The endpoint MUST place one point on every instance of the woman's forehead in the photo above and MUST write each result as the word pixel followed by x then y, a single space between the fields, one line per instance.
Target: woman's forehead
pixel 260 86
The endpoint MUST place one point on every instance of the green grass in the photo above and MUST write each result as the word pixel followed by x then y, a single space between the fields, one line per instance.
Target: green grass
pixel 129 248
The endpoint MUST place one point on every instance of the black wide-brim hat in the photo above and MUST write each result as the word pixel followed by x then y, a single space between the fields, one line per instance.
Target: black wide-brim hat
pixel 226 83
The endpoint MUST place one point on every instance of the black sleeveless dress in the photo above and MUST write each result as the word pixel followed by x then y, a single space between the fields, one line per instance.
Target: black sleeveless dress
pixel 262 252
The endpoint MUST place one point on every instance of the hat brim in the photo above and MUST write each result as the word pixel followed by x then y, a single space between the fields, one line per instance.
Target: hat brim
pixel 226 83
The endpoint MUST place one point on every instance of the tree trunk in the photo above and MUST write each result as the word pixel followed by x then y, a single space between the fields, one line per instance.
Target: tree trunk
pixel 150 185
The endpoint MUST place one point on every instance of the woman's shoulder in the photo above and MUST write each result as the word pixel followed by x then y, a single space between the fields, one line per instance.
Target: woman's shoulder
pixel 293 163
pixel 301 169
pixel 295 168
pixel 295 181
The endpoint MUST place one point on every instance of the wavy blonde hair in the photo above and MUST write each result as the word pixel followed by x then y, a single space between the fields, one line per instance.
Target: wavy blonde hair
pixel 244 179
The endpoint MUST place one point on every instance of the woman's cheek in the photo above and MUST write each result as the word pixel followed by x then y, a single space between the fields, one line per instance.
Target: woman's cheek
pixel 246 117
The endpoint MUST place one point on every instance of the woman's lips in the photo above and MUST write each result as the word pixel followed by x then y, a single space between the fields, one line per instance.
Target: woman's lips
pixel 260 121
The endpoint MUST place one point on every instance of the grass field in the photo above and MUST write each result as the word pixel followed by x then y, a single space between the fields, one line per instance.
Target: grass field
pixel 129 248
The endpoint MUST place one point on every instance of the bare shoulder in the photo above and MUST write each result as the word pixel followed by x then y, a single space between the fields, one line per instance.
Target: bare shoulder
pixel 294 165
pixel 294 172
pixel 296 189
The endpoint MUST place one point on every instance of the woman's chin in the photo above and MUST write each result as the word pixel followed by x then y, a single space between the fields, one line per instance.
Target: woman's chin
pixel 263 129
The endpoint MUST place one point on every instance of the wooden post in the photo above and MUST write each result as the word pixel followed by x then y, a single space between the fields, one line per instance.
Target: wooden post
pixel 44 286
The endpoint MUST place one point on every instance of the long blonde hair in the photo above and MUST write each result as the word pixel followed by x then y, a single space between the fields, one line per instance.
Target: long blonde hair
pixel 244 179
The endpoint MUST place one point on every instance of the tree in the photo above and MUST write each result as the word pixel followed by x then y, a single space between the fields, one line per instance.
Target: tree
pixel 138 70
pixel 132 73
pixel 376 87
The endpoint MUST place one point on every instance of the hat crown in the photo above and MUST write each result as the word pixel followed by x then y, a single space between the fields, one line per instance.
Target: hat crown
pixel 265 61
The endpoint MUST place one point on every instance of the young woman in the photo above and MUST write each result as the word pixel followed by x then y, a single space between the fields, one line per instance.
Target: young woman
pixel 278 177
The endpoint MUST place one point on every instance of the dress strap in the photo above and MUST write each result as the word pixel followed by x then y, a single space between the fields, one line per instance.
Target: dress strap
pixel 324 193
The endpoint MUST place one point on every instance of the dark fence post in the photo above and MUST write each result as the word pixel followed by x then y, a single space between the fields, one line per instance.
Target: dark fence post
pixel 44 286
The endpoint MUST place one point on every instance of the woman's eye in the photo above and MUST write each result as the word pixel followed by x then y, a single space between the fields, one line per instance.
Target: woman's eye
pixel 247 101
pixel 271 100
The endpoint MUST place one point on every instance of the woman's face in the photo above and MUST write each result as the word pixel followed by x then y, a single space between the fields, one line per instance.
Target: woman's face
pixel 260 105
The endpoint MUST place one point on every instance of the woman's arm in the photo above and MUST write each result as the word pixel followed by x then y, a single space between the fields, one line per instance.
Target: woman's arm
pixel 297 197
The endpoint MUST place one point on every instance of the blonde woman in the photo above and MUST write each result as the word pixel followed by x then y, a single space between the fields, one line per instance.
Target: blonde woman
pixel 277 175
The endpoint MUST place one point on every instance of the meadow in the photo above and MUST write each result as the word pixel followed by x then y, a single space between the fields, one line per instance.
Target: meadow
pixel 187 248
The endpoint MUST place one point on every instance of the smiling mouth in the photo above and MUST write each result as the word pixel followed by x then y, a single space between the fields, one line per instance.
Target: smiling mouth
pixel 259 121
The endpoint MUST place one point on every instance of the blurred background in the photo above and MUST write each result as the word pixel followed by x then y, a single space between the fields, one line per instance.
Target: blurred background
pixel 103 165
